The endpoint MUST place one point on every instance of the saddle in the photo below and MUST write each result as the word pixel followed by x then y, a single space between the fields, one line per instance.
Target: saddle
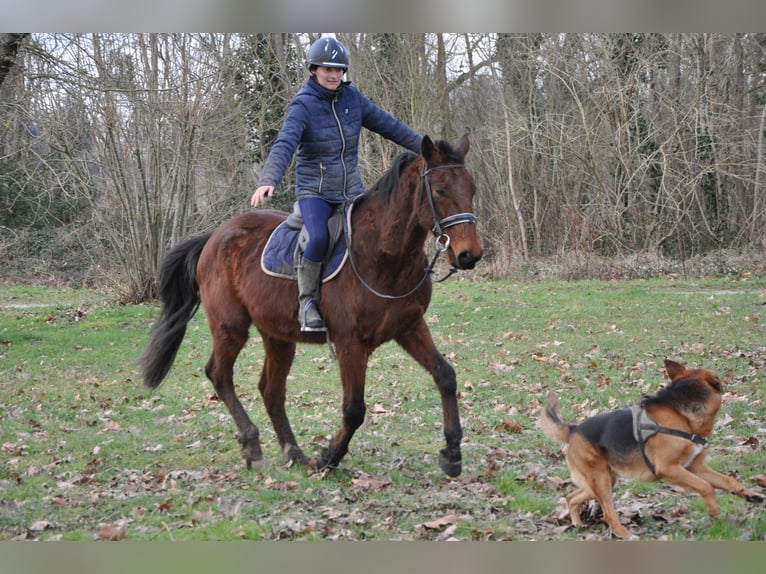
pixel 287 241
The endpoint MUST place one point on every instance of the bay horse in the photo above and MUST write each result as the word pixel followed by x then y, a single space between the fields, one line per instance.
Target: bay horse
pixel 380 296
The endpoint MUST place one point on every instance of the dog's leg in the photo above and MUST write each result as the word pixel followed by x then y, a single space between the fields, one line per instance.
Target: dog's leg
pixel 723 482
pixel 680 476
pixel 574 503
pixel 591 472
pixel 603 490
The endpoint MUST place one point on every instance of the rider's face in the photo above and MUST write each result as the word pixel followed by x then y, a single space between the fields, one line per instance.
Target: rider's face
pixel 329 78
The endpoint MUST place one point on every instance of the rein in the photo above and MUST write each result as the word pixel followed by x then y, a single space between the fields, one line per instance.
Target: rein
pixel 442 239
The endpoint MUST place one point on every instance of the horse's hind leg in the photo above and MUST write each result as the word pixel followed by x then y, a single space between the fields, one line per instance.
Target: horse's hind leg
pixel 228 340
pixel 278 359
pixel 419 344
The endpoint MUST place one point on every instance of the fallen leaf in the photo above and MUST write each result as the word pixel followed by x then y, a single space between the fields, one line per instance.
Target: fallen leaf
pixel 110 425
pixel 369 483
pixel 112 532
pixel 723 421
pixel 512 426
pixel 41 525
pixel 446 536
pixel 230 506
pixel 442 522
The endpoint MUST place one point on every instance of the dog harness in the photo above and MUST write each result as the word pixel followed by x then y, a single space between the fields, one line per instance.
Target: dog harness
pixel 645 428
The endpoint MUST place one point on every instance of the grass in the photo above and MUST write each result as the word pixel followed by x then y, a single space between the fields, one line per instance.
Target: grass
pixel 86 448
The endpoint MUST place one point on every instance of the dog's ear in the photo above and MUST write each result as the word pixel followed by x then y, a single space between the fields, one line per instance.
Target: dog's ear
pixel 715 383
pixel 675 371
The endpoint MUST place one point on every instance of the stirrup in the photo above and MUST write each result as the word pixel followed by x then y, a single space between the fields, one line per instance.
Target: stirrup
pixel 312 324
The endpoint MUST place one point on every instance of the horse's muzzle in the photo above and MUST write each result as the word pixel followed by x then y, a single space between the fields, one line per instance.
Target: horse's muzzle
pixel 468 259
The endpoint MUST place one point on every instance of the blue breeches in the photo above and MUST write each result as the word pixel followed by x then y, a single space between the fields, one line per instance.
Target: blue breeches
pixel 316 212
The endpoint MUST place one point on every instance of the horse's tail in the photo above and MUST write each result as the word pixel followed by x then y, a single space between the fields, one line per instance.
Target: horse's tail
pixel 179 294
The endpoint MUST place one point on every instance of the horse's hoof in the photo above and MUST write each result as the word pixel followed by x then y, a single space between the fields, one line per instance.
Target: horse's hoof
pixel 451 468
pixel 319 467
pixel 322 461
pixel 318 463
pixel 294 455
pixel 251 447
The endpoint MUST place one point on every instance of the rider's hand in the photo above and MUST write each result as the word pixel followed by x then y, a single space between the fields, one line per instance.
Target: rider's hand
pixel 261 194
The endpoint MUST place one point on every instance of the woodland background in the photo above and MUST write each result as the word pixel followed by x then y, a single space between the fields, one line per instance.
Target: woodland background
pixel 607 155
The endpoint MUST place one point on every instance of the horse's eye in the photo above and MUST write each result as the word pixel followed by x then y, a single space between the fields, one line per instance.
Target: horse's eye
pixel 439 191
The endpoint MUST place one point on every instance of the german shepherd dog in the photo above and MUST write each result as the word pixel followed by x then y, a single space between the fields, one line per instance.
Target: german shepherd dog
pixel 661 437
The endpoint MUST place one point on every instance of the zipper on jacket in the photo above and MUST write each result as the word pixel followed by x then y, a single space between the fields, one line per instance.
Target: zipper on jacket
pixel 321 177
pixel 342 147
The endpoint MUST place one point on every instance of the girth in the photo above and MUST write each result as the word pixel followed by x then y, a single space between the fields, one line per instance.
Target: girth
pixel 645 428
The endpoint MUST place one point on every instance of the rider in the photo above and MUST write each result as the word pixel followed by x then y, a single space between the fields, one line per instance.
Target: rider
pixel 322 130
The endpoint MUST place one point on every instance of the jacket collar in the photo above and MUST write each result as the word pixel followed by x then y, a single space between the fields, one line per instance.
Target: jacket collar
pixel 313 86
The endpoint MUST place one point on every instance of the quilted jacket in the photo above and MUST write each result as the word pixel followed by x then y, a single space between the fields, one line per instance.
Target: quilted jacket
pixel 322 130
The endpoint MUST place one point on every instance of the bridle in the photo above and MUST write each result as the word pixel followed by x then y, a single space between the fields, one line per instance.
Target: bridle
pixel 442 242
pixel 441 224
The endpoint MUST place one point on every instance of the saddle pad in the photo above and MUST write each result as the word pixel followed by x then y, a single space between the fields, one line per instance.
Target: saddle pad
pixel 278 257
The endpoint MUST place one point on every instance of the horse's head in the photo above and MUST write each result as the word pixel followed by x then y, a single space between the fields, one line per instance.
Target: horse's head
pixel 449 188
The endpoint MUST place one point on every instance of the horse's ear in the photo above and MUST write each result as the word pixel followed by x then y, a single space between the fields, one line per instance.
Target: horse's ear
pixel 464 145
pixel 427 148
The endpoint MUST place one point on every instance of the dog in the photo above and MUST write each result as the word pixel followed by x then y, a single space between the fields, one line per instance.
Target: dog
pixel 662 437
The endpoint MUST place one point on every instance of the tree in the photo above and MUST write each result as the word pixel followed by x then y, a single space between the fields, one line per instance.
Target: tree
pixel 147 131
pixel 9 47
pixel 268 71
pixel 605 144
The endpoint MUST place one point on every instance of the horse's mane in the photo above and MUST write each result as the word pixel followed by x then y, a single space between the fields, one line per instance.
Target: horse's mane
pixel 390 179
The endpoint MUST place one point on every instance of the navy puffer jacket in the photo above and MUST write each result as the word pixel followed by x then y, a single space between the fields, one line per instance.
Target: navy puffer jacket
pixel 322 130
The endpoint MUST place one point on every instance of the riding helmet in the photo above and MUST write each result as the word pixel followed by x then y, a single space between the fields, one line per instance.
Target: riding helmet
pixel 329 53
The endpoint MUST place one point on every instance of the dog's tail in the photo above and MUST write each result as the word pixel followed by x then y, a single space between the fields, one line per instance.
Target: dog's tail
pixel 550 421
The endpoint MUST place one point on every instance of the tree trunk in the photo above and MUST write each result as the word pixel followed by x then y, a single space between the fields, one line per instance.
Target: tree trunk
pixel 9 47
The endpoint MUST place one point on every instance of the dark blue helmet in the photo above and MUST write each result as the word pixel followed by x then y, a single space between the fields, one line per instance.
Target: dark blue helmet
pixel 327 52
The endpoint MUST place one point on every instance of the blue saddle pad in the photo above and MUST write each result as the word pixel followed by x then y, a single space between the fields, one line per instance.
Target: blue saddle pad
pixel 278 257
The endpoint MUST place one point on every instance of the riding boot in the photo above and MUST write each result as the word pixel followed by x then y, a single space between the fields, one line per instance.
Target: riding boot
pixel 309 278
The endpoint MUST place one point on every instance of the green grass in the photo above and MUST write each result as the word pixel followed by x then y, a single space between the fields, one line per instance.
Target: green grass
pixel 85 444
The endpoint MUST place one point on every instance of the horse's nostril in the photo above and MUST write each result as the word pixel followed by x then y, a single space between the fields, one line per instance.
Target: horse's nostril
pixel 467 260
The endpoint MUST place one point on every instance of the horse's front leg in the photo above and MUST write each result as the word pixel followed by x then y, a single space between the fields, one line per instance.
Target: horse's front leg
pixel 420 345
pixel 352 361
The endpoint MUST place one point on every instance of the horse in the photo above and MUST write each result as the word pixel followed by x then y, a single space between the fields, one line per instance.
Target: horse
pixel 381 295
